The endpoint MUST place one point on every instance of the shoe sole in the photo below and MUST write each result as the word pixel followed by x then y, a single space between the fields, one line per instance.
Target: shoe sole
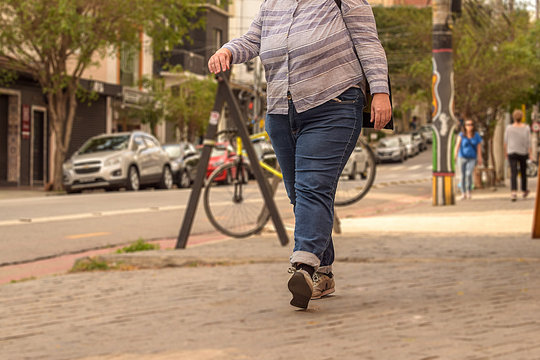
pixel 324 293
pixel 300 291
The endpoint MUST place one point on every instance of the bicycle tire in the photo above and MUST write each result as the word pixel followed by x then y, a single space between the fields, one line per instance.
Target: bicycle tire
pixel 234 210
pixel 350 191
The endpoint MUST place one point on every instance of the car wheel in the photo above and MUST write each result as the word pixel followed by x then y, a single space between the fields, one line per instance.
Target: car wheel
pixel 166 179
pixel 133 180
pixel 184 181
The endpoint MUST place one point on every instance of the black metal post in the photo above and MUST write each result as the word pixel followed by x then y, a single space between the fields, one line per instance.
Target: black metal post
pixel 225 94
pixel 196 189
pixel 240 121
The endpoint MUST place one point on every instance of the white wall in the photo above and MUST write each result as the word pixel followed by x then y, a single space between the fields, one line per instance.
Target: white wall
pixel 244 11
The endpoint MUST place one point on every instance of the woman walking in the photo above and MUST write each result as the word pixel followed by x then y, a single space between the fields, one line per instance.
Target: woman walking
pixel 315 97
pixel 469 150
pixel 517 140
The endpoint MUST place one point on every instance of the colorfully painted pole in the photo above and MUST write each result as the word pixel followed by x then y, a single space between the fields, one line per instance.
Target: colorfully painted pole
pixel 443 102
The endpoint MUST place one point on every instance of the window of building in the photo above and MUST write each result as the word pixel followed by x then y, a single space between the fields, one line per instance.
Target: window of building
pixel 218 35
pixel 129 66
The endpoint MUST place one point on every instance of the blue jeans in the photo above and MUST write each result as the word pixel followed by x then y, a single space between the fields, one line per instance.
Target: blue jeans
pixel 312 148
pixel 467 167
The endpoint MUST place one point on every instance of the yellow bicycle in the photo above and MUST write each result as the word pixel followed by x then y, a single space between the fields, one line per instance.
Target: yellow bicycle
pixel 247 215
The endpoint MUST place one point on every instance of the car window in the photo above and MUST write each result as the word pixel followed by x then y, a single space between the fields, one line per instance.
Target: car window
pixel 108 143
pixel 218 151
pixel 406 139
pixel 389 142
pixel 139 142
pixel 149 142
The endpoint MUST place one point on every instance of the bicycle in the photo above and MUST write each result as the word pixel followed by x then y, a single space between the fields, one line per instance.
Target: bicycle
pixel 248 214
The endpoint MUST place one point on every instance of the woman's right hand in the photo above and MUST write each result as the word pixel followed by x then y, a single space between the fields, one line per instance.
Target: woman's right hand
pixel 220 61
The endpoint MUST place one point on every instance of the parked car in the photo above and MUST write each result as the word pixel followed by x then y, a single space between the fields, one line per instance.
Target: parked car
pixel 222 153
pixel 427 132
pixel 265 152
pixel 419 140
pixel 112 161
pixel 356 165
pixel 391 149
pixel 412 148
pixel 184 159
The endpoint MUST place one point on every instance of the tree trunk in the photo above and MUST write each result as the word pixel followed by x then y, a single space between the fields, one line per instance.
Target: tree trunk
pixel 498 148
pixel 62 121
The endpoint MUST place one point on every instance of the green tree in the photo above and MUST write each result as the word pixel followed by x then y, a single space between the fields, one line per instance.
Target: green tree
pixel 496 63
pixel 405 33
pixel 57 40
pixel 186 104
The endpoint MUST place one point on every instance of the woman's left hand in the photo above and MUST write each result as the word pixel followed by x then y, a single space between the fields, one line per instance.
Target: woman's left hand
pixel 381 110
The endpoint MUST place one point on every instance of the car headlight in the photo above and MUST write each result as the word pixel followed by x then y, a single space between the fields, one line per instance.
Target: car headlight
pixel 113 161
pixel 68 165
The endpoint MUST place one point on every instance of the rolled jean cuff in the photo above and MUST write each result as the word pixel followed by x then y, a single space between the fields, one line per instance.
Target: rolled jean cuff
pixel 305 257
pixel 325 269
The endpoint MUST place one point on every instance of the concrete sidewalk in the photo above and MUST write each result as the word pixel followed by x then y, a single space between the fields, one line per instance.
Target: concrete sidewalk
pixel 455 282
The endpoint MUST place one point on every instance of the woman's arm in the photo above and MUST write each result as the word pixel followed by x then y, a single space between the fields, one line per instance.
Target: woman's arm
pixel 360 22
pixel 456 149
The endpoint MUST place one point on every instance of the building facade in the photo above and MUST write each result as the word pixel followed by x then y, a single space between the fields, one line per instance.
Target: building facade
pixel 26 141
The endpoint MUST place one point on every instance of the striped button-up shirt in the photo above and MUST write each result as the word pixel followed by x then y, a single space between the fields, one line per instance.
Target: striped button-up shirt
pixel 306 47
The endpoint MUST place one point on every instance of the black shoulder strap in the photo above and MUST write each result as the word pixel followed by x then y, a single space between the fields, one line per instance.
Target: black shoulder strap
pixel 338 3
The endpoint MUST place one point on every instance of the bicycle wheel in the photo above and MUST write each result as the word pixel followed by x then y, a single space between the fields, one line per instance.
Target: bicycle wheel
pixel 354 186
pixel 234 210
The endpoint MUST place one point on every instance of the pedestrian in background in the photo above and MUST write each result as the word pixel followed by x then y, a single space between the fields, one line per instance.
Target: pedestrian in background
pixel 517 148
pixel 469 150
pixel 315 96
pixel 414 123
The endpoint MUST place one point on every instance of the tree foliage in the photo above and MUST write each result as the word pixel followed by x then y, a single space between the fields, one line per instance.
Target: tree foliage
pixel 57 40
pixel 405 33
pixel 496 62
pixel 186 104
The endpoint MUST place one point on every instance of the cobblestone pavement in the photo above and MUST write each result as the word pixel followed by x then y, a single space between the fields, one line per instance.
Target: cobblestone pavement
pixel 465 291
pixel 455 297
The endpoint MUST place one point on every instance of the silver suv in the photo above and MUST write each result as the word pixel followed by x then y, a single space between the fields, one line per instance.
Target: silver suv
pixel 112 161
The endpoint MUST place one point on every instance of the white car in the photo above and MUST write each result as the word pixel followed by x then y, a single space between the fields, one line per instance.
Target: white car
pixel 356 165
pixel 391 149
pixel 410 145
pixel 112 161
pixel 427 133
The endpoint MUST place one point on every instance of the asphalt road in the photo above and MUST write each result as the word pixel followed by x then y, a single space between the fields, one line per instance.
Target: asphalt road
pixel 40 227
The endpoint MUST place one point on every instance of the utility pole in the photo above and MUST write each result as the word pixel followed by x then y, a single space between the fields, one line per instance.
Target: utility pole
pixel 443 105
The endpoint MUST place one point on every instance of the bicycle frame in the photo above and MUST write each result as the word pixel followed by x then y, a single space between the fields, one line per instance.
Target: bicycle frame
pixel 240 150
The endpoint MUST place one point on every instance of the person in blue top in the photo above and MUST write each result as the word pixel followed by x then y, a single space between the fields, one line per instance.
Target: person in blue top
pixel 470 153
